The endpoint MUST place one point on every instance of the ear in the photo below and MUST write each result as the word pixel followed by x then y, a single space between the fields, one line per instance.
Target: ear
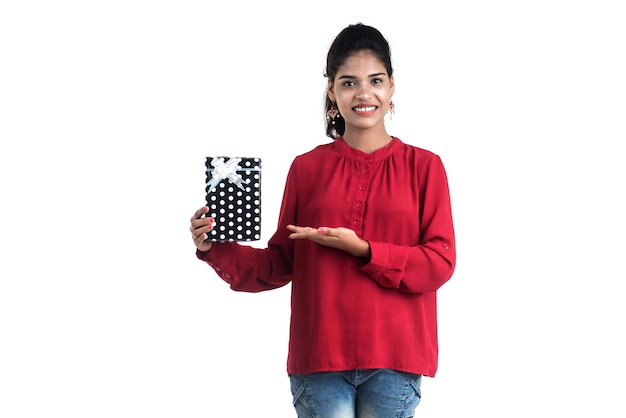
pixel 330 91
pixel 393 85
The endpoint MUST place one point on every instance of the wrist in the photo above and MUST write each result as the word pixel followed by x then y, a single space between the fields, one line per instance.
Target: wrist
pixel 363 250
pixel 204 248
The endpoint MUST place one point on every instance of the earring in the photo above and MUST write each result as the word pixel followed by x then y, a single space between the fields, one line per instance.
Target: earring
pixel 392 109
pixel 332 113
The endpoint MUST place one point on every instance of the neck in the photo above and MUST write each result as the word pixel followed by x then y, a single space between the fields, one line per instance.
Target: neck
pixel 367 142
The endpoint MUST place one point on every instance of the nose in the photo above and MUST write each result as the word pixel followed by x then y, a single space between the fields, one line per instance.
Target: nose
pixel 364 91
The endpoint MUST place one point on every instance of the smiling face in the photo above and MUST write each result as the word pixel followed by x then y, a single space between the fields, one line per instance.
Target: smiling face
pixel 362 90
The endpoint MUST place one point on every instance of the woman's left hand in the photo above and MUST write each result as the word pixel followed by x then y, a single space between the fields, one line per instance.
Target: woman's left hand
pixel 340 238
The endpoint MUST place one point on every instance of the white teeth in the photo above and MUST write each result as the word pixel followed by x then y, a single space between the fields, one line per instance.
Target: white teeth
pixel 364 109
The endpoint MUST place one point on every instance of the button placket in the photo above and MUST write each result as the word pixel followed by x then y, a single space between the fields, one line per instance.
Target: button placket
pixel 358 205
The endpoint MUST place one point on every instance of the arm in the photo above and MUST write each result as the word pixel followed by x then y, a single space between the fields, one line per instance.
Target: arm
pixel 427 266
pixel 413 260
pixel 246 268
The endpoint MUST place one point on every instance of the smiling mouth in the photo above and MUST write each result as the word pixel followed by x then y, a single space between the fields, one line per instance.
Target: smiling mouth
pixel 364 109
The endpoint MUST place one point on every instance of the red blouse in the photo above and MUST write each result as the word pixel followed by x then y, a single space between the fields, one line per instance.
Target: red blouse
pixel 349 312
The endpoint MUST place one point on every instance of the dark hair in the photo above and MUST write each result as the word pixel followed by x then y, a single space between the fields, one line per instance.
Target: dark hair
pixel 349 41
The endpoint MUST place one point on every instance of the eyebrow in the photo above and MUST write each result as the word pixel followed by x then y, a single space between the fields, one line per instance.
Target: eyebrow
pixel 370 76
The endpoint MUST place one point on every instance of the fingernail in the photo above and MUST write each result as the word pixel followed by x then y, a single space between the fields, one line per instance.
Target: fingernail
pixel 320 230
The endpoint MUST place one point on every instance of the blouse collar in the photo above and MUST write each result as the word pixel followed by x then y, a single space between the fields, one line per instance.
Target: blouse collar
pixel 380 154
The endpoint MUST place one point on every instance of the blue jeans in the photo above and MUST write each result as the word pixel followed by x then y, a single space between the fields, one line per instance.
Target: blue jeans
pixel 375 393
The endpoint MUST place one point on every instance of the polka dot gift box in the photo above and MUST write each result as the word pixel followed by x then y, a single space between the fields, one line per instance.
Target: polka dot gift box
pixel 233 195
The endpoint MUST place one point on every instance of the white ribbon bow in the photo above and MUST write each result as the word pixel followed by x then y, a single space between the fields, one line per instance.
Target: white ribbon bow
pixel 228 171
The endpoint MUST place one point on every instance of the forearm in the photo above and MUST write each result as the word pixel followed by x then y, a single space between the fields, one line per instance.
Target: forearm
pixel 422 268
pixel 361 248
pixel 245 268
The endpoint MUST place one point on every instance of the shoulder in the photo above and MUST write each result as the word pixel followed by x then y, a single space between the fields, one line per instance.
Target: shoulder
pixel 425 164
pixel 314 156
pixel 318 151
pixel 416 153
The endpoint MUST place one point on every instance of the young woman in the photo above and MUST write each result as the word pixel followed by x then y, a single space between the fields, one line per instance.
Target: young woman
pixel 365 237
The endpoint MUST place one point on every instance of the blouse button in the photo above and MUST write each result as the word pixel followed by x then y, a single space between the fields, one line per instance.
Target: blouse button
pixel 364 171
pixel 359 204
pixel 362 188
pixel 355 223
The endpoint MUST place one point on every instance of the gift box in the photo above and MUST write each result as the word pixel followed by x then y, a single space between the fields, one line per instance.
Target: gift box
pixel 233 195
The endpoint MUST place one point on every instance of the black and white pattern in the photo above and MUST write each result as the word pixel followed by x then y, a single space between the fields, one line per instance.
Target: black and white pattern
pixel 233 195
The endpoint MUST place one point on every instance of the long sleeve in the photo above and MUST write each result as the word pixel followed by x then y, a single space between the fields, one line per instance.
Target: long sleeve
pixel 249 269
pixel 348 313
pixel 427 266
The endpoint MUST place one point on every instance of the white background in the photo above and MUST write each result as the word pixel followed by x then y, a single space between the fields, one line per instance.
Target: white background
pixel 107 110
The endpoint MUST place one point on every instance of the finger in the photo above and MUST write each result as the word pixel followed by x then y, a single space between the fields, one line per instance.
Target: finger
pixel 329 232
pixel 197 238
pixel 304 230
pixel 198 214
pixel 201 234
pixel 201 238
pixel 299 231
pixel 202 244
pixel 206 227
pixel 202 222
pixel 295 230
pixel 323 230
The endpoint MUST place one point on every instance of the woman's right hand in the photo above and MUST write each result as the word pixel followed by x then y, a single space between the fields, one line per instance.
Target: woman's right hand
pixel 200 227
